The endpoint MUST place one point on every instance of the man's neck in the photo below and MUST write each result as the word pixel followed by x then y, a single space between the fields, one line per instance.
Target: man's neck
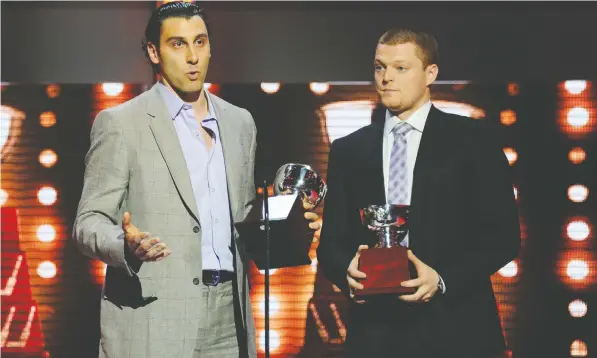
pixel 197 99
pixel 406 114
pixel 200 106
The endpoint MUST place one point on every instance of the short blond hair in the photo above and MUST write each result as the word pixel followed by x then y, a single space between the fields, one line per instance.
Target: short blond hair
pixel 426 43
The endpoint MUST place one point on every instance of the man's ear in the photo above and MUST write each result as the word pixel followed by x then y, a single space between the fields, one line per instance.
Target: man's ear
pixel 432 72
pixel 153 53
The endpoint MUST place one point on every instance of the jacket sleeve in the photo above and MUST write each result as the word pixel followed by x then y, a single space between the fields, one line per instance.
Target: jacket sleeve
pixel 96 230
pixel 334 252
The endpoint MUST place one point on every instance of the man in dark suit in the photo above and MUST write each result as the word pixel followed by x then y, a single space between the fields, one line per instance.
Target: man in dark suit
pixel 463 223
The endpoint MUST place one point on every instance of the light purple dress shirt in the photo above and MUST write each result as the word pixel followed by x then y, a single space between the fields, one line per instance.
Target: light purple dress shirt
pixel 208 178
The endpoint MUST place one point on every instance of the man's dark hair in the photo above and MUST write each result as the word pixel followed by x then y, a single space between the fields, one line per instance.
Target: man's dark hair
pixel 168 10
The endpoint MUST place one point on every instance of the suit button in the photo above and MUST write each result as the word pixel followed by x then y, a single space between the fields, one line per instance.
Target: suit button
pixel 196 281
pixel 196 229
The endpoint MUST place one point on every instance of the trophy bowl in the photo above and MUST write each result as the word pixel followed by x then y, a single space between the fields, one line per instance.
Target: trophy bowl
pixel 294 178
pixel 388 221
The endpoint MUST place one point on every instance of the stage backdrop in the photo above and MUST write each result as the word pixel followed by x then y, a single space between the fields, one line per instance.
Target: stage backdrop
pixel 546 297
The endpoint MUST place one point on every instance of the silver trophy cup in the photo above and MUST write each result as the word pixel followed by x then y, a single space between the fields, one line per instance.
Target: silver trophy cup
pixel 293 178
pixel 388 221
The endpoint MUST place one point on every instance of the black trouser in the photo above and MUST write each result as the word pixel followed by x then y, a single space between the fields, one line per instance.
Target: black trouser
pixel 386 327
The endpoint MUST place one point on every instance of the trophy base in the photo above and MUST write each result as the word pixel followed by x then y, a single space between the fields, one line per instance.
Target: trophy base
pixel 385 268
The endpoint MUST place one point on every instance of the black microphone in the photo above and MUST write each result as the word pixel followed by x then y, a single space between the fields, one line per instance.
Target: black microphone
pixel 264 176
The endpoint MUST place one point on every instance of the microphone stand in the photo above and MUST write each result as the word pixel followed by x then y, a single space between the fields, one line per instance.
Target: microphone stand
pixel 267 265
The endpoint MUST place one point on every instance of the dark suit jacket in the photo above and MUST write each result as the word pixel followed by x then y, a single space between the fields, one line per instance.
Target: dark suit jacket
pixel 463 223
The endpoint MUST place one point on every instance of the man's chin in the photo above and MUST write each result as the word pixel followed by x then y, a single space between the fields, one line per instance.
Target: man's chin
pixel 193 87
pixel 191 90
pixel 392 105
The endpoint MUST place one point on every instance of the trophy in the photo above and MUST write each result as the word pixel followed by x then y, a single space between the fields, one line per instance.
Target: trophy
pixel 386 264
pixel 300 179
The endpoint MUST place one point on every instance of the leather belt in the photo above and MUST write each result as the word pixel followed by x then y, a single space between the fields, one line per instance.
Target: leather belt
pixel 215 277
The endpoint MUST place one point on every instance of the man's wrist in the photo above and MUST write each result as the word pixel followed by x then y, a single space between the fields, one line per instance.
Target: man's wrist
pixel 132 261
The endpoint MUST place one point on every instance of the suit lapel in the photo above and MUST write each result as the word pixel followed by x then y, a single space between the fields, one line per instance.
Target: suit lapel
pixel 230 139
pixel 163 130
pixel 373 163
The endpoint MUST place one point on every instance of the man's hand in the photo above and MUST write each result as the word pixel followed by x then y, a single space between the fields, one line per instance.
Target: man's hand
pixel 315 223
pixel 426 282
pixel 141 244
pixel 353 274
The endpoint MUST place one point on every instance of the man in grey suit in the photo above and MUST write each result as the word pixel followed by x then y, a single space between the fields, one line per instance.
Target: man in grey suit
pixel 177 162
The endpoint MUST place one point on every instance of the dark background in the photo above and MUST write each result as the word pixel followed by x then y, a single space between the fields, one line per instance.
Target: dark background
pixel 92 42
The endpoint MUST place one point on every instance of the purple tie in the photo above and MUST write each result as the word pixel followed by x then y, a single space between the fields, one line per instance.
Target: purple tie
pixel 398 178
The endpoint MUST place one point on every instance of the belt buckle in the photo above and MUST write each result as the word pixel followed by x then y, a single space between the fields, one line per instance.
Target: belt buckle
pixel 215 276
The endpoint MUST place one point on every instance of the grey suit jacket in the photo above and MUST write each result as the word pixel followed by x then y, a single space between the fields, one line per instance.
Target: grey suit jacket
pixel 135 163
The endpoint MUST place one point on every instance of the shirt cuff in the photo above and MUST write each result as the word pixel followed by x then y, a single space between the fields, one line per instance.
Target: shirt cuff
pixel 442 285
